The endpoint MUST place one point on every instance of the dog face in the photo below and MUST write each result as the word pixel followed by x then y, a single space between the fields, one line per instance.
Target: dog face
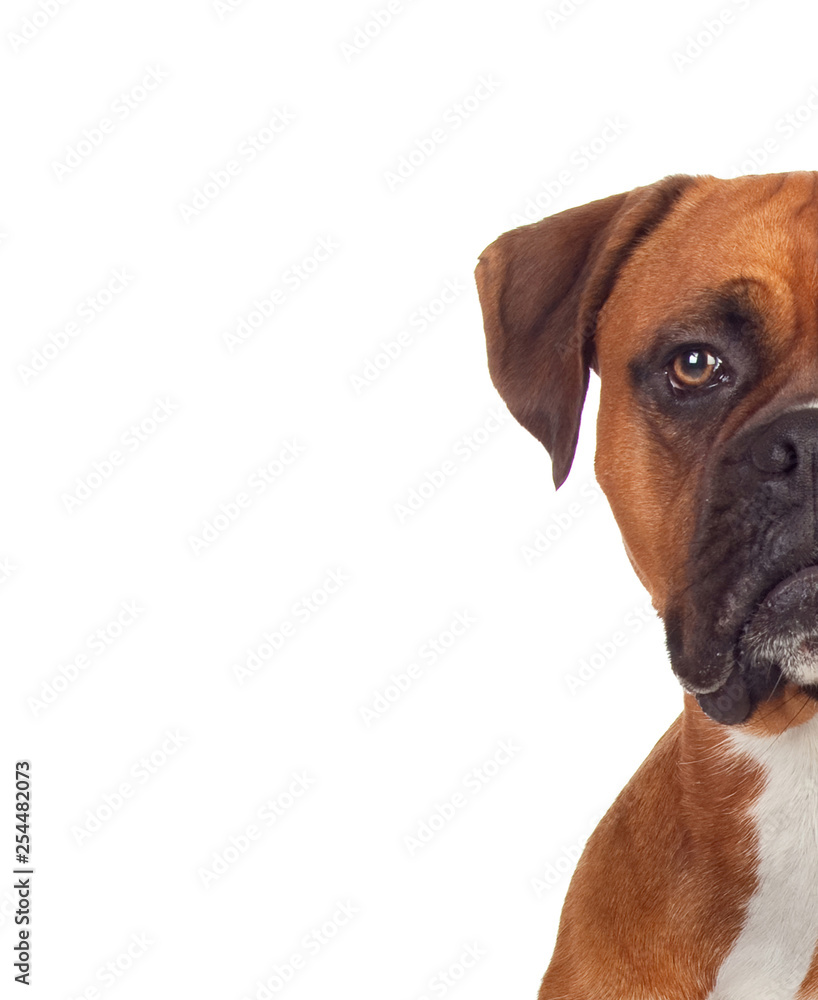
pixel 696 301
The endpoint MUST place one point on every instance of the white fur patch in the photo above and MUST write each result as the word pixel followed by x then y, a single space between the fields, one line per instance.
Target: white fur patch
pixel 774 950
pixel 795 652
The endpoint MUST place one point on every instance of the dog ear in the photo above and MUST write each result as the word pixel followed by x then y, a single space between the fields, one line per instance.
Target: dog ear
pixel 541 288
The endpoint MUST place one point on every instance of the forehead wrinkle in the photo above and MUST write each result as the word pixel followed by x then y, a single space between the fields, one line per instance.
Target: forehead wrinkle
pixel 766 237
pixel 791 228
pixel 707 307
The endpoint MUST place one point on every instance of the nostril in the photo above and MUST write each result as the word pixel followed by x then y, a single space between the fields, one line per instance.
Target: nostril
pixel 784 456
pixel 775 456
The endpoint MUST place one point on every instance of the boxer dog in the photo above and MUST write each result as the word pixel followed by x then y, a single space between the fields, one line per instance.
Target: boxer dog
pixel 695 300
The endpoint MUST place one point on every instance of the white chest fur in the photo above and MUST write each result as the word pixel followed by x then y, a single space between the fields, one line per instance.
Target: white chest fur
pixel 770 958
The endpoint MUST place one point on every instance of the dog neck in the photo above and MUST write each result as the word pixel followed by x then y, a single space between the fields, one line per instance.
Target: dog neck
pixel 751 799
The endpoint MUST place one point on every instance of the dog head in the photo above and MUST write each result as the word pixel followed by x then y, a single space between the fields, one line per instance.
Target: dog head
pixel 696 302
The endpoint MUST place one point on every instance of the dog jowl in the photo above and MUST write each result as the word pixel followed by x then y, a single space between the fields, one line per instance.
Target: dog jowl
pixel 695 300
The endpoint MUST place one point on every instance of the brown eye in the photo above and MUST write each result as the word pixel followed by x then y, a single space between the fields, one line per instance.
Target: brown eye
pixel 694 368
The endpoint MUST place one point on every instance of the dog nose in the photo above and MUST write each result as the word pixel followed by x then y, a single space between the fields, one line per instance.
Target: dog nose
pixel 788 445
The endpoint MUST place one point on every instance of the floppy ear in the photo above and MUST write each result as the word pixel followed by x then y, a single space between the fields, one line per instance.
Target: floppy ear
pixel 541 288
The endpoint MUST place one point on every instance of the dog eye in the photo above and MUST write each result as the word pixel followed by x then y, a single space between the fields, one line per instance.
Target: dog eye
pixel 695 368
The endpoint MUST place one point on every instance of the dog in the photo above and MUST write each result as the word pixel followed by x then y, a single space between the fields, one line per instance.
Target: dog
pixel 695 301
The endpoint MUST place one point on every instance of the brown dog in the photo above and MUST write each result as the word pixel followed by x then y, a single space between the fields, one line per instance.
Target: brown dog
pixel 695 300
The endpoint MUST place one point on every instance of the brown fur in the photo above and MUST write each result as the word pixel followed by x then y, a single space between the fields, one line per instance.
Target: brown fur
pixel 809 988
pixel 676 842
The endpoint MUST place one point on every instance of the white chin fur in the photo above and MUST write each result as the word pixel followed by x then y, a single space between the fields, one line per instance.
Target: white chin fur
pixel 801 668
pixel 796 655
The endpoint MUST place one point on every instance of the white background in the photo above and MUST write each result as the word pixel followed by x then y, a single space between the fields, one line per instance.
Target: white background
pixel 113 871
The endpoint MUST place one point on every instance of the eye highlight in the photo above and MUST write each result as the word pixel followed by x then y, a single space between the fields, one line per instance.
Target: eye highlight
pixel 695 368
